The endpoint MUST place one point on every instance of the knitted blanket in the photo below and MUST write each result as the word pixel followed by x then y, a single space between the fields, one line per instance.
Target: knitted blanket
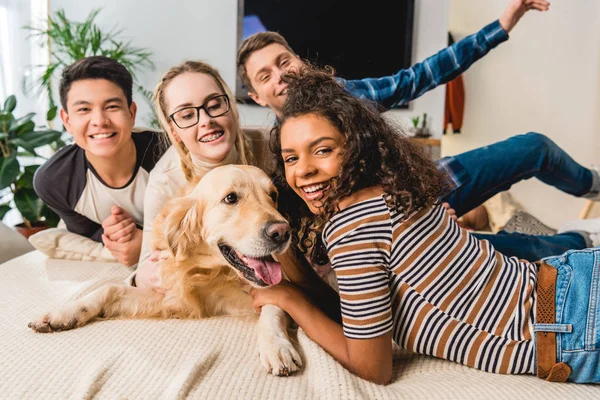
pixel 204 359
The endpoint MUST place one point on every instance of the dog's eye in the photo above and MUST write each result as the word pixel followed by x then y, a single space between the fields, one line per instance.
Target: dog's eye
pixel 273 196
pixel 231 198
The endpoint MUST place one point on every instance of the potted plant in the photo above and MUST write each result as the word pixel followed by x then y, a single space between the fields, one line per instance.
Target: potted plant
pixel 19 144
pixel 414 130
pixel 69 41
pixel 423 131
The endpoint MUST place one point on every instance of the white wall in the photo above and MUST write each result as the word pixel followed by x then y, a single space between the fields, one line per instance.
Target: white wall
pixel 174 30
pixel 544 79
pixel 207 30
pixel 430 34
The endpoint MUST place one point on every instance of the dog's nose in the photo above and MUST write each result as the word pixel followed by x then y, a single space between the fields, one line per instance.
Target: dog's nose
pixel 279 232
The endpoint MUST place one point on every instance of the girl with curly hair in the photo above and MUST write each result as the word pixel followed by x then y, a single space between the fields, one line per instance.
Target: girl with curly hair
pixel 406 271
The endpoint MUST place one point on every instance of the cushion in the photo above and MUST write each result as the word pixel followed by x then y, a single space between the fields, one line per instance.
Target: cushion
pixel 61 244
pixel 501 208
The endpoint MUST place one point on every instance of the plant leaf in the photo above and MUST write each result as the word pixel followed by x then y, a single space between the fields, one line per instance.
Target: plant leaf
pixel 70 41
pixel 5 121
pixel 29 148
pixel 50 217
pixel 26 179
pixel 29 204
pixel 28 126
pixel 10 103
pixel 51 114
pixel 4 208
pixel 17 123
pixel 35 139
pixel 9 170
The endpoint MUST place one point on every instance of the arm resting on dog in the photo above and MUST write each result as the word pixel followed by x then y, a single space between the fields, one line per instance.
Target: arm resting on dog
pixel 298 271
pixel 370 358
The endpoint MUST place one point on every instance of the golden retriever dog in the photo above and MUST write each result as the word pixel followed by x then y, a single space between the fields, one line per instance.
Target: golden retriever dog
pixel 220 239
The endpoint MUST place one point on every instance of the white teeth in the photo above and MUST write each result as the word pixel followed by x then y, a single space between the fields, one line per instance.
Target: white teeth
pixel 313 188
pixel 102 135
pixel 211 137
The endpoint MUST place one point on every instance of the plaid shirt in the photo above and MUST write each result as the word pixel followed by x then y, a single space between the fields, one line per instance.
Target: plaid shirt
pixel 408 84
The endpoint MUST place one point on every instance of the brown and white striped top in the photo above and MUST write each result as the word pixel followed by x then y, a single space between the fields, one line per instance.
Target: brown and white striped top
pixel 440 290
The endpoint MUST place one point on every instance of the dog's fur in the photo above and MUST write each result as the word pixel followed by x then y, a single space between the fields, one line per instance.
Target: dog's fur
pixel 206 236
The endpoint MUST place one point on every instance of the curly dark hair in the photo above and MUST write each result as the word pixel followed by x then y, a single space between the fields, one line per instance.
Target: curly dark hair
pixel 375 153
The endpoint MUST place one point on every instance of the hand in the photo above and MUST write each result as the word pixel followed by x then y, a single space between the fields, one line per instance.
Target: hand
pixel 477 219
pixel 159 255
pixel 517 8
pixel 119 226
pixel 148 276
pixel 277 295
pixel 127 253
pixel 450 211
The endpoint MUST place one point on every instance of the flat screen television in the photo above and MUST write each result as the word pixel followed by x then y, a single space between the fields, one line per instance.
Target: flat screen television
pixel 366 39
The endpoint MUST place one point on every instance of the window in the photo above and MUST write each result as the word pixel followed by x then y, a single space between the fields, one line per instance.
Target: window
pixel 19 52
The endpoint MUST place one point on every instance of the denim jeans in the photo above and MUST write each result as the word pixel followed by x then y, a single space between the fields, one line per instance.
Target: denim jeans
pixel 577 313
pixel 482 173
pixel 533 248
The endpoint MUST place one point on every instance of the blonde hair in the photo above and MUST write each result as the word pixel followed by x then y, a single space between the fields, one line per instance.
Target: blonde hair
pixel 241 143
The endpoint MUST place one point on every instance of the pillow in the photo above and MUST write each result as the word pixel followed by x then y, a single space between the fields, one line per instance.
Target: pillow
pixel 13 244
pixel 62 244
pixel 501 208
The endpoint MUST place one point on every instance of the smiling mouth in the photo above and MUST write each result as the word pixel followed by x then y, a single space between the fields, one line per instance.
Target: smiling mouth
pixel 262 271
pixel 100 136
pixel 315 191
pixel 211 137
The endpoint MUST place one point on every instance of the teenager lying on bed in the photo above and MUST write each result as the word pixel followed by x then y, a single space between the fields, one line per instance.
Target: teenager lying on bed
pixel 475 176
pixel 406 271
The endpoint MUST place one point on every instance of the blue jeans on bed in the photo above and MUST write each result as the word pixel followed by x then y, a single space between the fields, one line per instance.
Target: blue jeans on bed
pixel 533 248
pixel 577 313
pixel 479 174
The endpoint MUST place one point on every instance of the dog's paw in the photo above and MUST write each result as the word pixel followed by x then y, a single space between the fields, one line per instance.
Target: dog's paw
pixel 62 320
pixel 279 357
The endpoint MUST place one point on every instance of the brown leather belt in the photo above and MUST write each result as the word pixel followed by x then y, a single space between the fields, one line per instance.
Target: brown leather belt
pixel 547 367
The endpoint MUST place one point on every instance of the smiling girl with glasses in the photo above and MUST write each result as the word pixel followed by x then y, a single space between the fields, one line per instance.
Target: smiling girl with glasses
pixel 202 125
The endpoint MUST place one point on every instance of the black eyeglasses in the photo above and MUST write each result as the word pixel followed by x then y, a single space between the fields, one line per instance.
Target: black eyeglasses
pixel 189 116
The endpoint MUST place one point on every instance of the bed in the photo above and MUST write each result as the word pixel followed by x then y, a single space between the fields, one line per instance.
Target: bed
pixel 205 359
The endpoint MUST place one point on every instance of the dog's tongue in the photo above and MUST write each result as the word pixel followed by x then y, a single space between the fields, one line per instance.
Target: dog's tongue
pixel 267 270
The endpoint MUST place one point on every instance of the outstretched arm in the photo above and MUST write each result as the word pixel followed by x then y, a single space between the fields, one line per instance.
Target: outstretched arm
pixel 409 84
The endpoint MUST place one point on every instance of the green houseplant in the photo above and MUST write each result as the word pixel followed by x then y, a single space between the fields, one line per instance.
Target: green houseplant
pixel 69 41
pixel 20 142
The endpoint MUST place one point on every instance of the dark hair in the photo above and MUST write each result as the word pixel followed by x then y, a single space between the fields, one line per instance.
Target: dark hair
pixel 375 153
pixel 96 67
pixel 252 44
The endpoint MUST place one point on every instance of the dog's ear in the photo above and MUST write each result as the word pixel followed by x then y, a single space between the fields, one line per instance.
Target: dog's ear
pixel 183 225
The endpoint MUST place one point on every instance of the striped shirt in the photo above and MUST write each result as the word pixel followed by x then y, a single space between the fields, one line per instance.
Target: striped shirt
pixel 438 289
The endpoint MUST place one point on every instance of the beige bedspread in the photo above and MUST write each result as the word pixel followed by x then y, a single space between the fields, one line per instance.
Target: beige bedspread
pixel 207 359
